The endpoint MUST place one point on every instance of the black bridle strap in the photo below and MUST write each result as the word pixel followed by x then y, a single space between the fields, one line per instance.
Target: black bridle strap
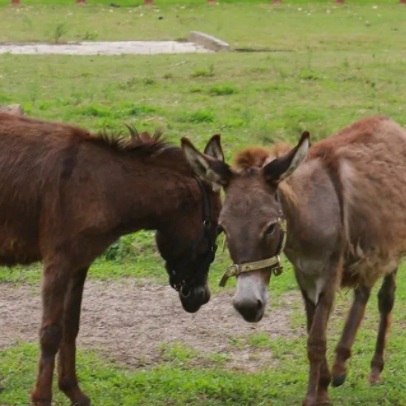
pixel 206 219
pixel 188 255
pixel 205 199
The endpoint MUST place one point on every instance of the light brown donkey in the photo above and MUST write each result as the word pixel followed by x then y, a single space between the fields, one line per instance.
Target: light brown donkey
pixel 344 201
pixel 66 195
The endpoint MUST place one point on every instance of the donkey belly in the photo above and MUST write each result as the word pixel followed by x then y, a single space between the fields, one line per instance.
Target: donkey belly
pixel 366 271
pixel 19 242
pixel 16 250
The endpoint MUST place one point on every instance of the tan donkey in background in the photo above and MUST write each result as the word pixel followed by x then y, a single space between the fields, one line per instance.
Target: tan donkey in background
pixel 344 201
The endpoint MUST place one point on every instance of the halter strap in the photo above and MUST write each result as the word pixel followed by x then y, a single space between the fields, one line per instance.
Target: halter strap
pixel 273 263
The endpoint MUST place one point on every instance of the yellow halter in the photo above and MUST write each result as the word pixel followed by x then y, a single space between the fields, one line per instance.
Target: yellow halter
pixel 274 263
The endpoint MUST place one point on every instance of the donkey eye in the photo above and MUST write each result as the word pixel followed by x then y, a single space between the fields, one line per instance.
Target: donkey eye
pixel 220 229
pixel 271 229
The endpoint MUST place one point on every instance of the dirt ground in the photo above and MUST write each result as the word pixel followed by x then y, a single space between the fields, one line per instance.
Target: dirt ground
pixel 132 323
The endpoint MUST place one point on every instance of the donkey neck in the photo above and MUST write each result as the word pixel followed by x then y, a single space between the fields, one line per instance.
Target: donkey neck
pixel 311 206
pixel 158 193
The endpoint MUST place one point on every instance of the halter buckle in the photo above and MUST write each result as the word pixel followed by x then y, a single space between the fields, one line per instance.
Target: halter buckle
pixel 232 270
pixel 278 270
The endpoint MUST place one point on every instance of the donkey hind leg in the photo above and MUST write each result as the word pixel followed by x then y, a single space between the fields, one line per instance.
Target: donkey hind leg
pixel 55 279
pixel 386 299
pixel 354 319
pixel 68 381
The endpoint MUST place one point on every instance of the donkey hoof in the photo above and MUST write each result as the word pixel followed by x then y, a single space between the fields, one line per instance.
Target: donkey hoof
pixel 82 404
pixel 338 380
pixel 323 399
pixel 375 376
pixel 42 402
pixel 309 402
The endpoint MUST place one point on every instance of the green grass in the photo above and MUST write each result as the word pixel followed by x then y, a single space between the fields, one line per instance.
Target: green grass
pixel 325 66
pixel 313 26
pixel 184 3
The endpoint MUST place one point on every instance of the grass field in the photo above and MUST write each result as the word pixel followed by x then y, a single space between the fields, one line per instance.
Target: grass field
pixel 322 67
pixel 171 3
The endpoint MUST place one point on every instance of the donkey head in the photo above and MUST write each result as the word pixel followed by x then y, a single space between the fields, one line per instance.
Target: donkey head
pixel 251 214
pixel 187 240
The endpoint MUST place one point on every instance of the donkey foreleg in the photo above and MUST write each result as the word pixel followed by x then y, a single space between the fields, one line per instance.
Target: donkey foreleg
pixel 319 377
pixel 55 279
pixel 386 300
pixel 354 319
pixel 68 381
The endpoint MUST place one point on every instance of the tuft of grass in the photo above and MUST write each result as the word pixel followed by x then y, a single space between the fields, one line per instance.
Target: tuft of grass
pixel 222 90
pixel 178 352
pixel 97 111
pixel 309 75
pixel 203 72
pixel 201 116
pixel 259 340
pixel 89 36
pixel 60 30
pixel 196 89
pixel 149 81
pixel 129 84
pixel 127 110
pixel 140 109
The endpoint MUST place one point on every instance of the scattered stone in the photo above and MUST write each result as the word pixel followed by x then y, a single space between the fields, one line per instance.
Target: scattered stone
pixel 12 109
pixel 208 41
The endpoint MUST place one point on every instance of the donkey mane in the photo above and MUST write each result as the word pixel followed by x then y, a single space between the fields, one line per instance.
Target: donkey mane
pixel 256 157
pixel 143 146
pixel 143 143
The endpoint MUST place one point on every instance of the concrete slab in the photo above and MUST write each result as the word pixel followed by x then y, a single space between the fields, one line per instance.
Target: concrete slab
pixel 105 48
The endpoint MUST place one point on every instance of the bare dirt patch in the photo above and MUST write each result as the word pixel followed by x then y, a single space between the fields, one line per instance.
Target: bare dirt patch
pixel 132 324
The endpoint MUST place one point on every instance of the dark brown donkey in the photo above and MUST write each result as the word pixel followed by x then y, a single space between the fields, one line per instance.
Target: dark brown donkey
pixel 344 201
pixel 66 195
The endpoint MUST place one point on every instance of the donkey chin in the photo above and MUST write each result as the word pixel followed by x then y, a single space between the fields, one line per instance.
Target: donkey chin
pixel 192 299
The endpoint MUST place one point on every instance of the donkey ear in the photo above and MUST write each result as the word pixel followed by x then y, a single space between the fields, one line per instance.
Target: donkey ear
pixel 214 149
pixel 210 168
pixel 280 168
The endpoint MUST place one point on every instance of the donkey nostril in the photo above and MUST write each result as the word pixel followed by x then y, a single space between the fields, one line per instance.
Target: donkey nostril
pixel 185 293
pixel 250 309
pixel 259 304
